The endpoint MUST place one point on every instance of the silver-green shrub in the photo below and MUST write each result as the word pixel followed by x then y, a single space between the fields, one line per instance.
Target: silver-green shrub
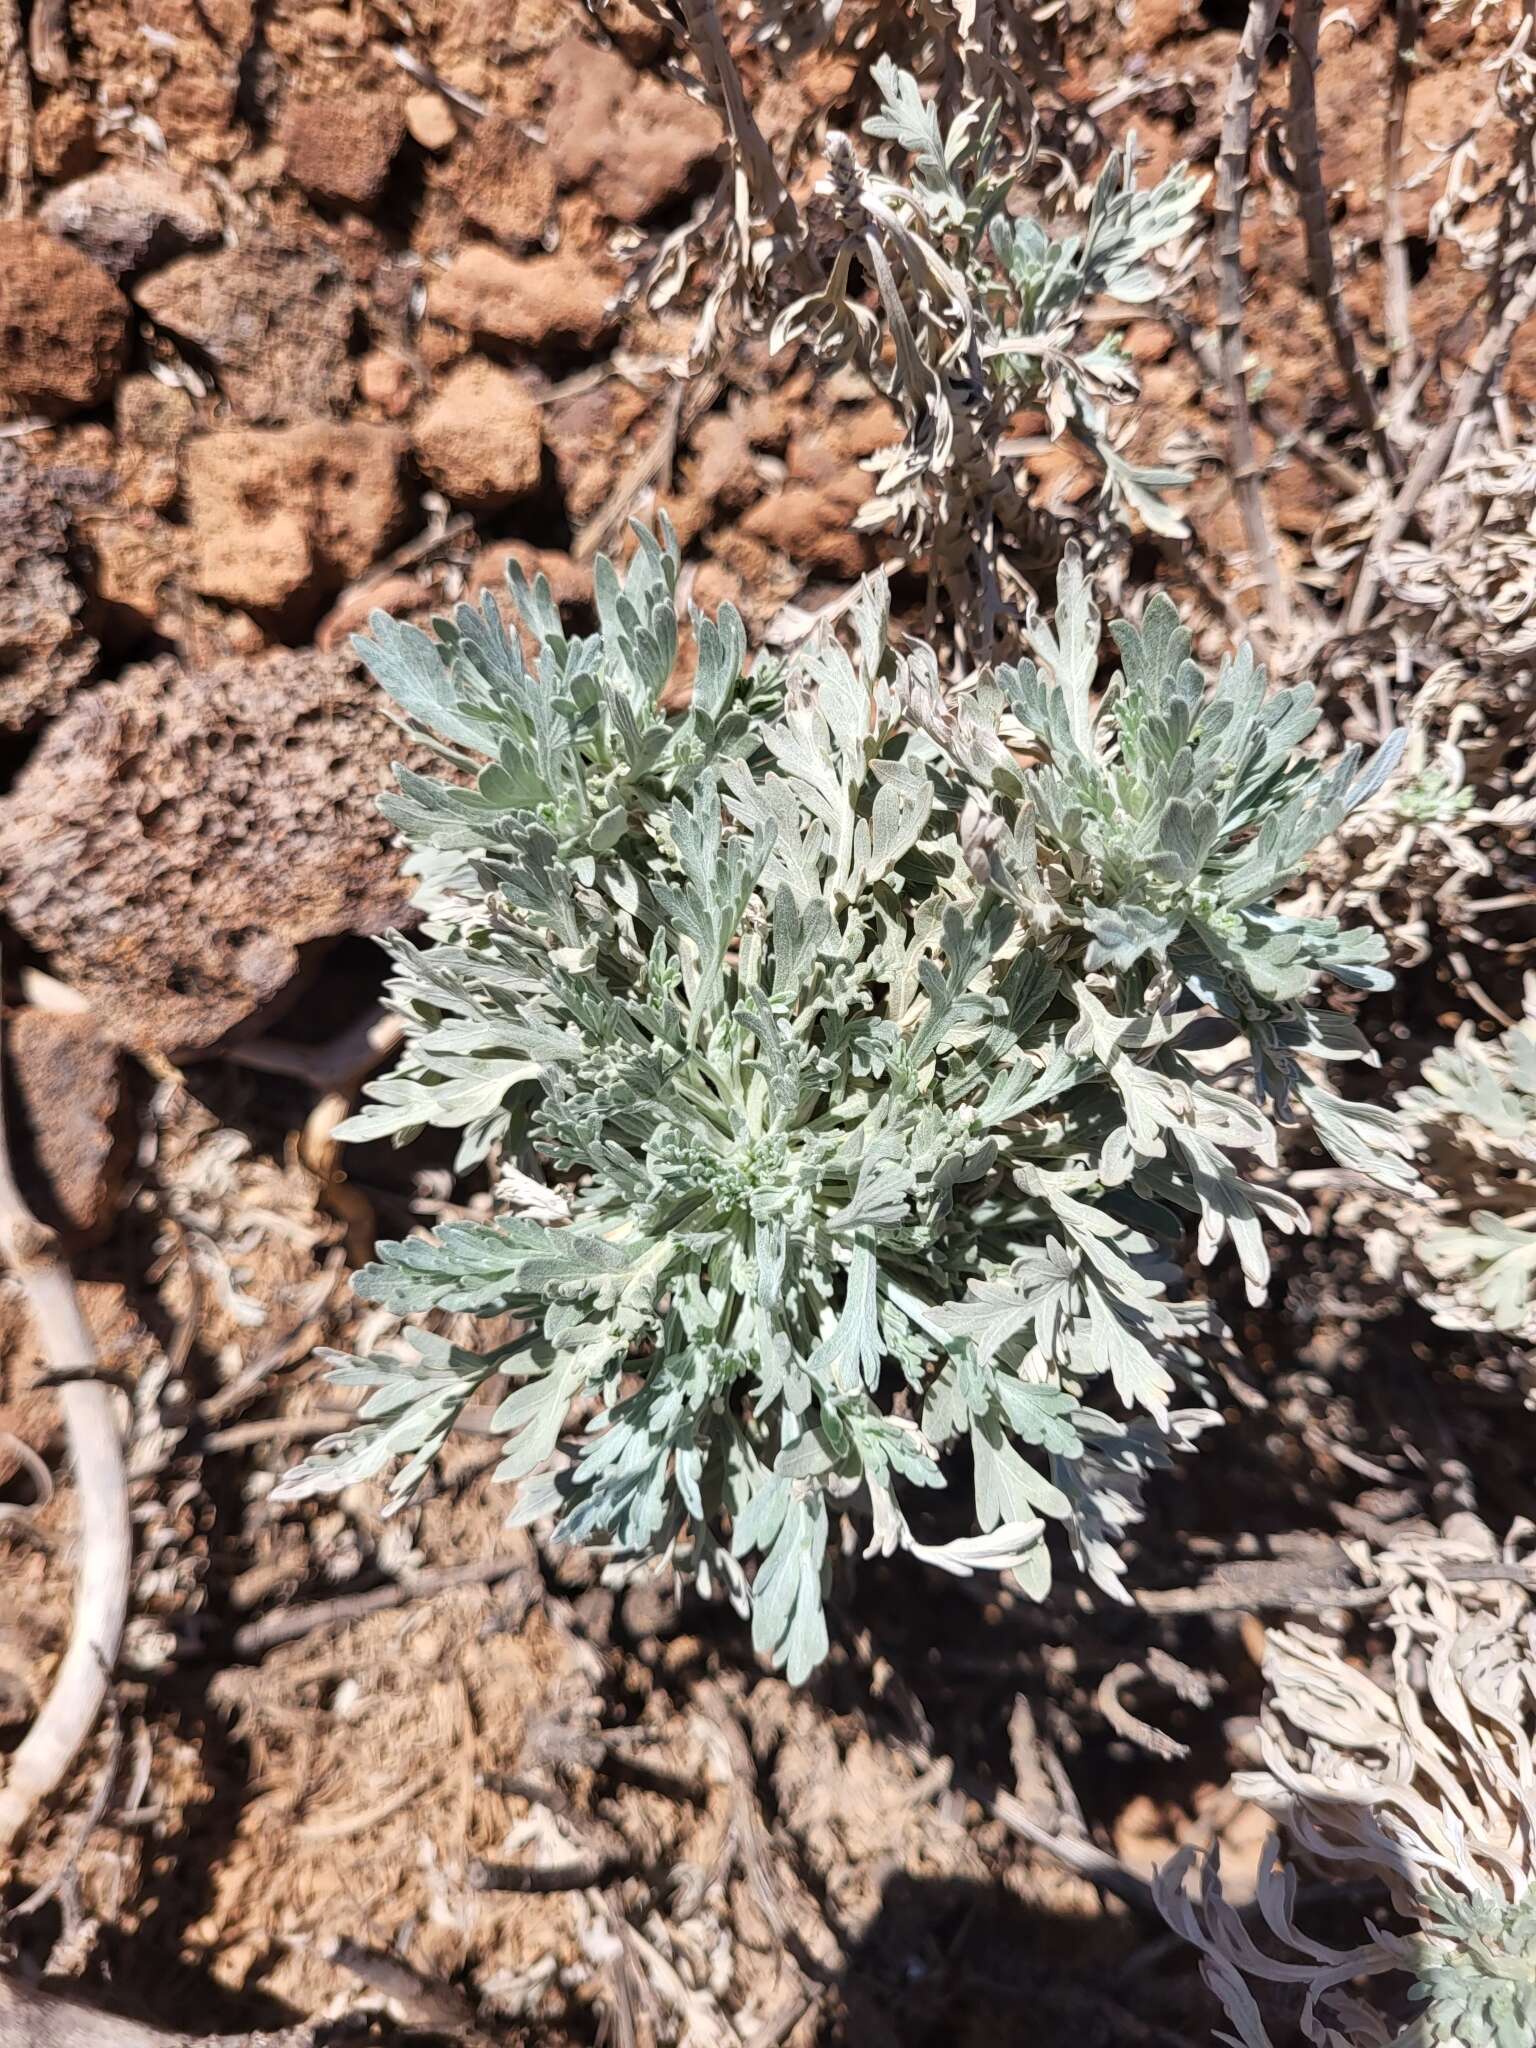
pixel 988 310
pixel 850 1076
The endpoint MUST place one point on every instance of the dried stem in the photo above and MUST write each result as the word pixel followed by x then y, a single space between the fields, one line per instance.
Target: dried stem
pixel 47 40
pixel 1321 269
pixel 290 1624
pixel 749 148
pixel 1231 190
pixel 1269 1585
pixel 1396 282
pixel 1471 391
pixel 63 1727
pixel 15 111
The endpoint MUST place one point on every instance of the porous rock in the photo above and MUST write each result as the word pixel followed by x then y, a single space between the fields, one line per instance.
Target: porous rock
pixel 127 216
pixel 287 513
pixel 636 144
pixel 504 182
pixel 63 323
pixel 480 439
pixel 273 316
pixel 341 147
pixel 557 301
pixel 180 837
pixel 77 1141
pixel 45 651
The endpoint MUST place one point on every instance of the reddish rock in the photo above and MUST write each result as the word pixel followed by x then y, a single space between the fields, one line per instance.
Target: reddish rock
pixel 430 121
pixel 127 216
pixel 480 440
pixel 180 837
pixel 504 182
pixel 825 452
pixel 637 144
pixel 77 1140
pixel 387 381
pixel 152 421
pixel 273 316
pixel 557 301
pixel 812 524
pixel 592 435
pixel 290 513
pixel 397 595
pixel 340 148
pixel 1154 22
pixel 183 62
pixel 45 651
pixel 64 137
pixel 63 322
pixel 136 557
pixel 720 469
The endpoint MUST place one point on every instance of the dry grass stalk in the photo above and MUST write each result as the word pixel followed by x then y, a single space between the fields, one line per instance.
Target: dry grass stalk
pixel 1231 190
pixel 1321 268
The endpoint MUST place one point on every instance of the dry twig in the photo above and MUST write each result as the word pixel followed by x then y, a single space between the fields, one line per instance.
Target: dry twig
pixel 1261 1585
pixel 1321 269
pixel 1231 189
pixel 1471 391
pixel 16 111
pixel 1396 280
pixel 443 2008
pixel 47 33
pixel 290 1624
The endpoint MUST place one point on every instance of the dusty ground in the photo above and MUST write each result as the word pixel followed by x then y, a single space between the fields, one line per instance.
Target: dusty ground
pixel 309 309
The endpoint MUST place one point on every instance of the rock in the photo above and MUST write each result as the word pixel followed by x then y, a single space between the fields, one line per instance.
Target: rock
pixel 813 524
pixel 137 559
pixel 1154 22
pixel 637 144
pixel 352 611
pixel 64 137
pixel 289 514
pixel 273 316
pixel 152 421
pixel 68 1081
pixel 532 302
pixel 480 440
pixel 180 836
pixel 592 436
pixel 182 61
pixel 45 651
pixel 64 324
pixel 340 148
pixel 429 120
pixel 719 468
pixel 504 182
pixel 387 381
pixel 128 216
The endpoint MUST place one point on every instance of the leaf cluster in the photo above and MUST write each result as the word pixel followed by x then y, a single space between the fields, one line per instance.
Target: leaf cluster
pixel 986 295
pixel 1474 1117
